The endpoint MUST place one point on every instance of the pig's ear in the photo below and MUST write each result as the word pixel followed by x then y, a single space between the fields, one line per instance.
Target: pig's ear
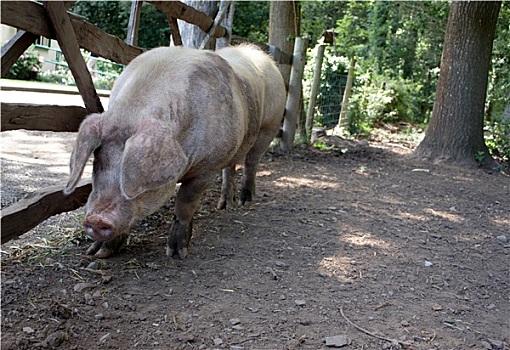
pixel 151 159
pixel 88 139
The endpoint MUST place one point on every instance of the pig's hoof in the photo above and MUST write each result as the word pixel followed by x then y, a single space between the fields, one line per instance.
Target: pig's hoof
pixel 107 249
pixel 246 196
pixel 178 239
pixel 224 204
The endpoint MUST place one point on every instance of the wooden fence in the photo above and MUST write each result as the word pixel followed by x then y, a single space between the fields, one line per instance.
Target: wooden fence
pixel 52 20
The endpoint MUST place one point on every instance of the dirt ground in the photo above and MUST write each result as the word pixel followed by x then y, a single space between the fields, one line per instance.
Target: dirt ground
pixel 358 247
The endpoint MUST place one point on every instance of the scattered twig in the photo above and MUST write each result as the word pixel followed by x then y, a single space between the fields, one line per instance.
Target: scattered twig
pixel 99 272
pixel 205 296
pixel 370 333
pixel 382 305
pixel 212 260
pixel 250 337
pixel 176 324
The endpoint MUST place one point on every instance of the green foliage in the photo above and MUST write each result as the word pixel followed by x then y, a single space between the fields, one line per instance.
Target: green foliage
pixel 353 29
pixel 154 30
pixel 498 94
pixel 110 16
pixel 113 18
pixel 60 76
pixel 251 20
pixel 480 158
pixel 109 67
pixel 63 76
pixel 398 48
pixel 379 99
pixel 333 80
pixel 318 16
pixel 27 67
pixel 103 76
pixel 497 139
pixel 322 146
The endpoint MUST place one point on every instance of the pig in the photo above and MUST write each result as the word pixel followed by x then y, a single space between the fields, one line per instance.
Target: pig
pixel 176 115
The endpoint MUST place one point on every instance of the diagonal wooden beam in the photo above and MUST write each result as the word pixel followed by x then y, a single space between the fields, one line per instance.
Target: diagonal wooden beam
pixel 14 48
pixel 187 13
pixel 174 30
pixel 68 44
pixel 31 17
pixel 211 34
pixel 26 214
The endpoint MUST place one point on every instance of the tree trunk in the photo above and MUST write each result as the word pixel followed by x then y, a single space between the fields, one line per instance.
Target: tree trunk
pixel 293 105
pixel 283 28
pixel 455 133
pixel 192 35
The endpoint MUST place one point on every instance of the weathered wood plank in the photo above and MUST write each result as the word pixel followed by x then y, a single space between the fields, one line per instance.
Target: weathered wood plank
pixel 187 13
pixel 174 30
pixel 26 214
pixel 31 17
pixel 14 48
pixel 64 32
pixel 41 117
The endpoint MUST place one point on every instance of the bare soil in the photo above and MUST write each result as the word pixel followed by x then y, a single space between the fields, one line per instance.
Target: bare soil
pixel 359 245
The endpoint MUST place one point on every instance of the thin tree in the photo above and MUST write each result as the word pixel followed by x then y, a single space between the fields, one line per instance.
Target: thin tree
pixel 283 28
pixel 455 132
pixel 191 35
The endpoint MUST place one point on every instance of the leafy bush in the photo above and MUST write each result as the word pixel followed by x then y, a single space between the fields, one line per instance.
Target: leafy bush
pixel 26 67
pixel 332 84
pixel 61 76
pixel 378 99
pixel 497 139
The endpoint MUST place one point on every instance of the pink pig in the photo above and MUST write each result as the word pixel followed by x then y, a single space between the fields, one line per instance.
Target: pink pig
pixel 176 115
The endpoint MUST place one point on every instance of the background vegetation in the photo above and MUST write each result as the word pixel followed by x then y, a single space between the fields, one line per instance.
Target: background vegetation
pixel 397 44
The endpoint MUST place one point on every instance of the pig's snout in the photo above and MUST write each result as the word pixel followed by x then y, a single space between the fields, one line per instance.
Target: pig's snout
pixel 98 228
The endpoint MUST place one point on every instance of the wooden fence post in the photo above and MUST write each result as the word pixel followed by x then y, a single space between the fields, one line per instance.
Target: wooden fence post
pixel 294 95
pixel 315 89
pixel 342 119
pixel 66 37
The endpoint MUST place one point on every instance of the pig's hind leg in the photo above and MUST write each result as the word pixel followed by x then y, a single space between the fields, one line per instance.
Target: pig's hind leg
pixel 251 163
pixel 186 203
pixel 227 188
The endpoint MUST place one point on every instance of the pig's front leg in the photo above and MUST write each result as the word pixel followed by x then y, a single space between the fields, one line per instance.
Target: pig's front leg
pixel 186 203
pixel 109 248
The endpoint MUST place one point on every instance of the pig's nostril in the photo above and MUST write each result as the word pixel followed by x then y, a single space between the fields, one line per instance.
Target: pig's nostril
pixel 88 229
pixel 97 229
pixel 105 231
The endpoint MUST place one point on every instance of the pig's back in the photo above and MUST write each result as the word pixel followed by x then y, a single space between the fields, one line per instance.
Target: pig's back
pixel 192 91
pixel 255 67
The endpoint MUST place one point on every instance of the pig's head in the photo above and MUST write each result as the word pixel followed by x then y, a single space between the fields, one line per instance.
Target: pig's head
pixel 135 171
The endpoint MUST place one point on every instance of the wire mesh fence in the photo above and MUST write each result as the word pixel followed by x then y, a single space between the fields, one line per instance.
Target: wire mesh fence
pixel 331 89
